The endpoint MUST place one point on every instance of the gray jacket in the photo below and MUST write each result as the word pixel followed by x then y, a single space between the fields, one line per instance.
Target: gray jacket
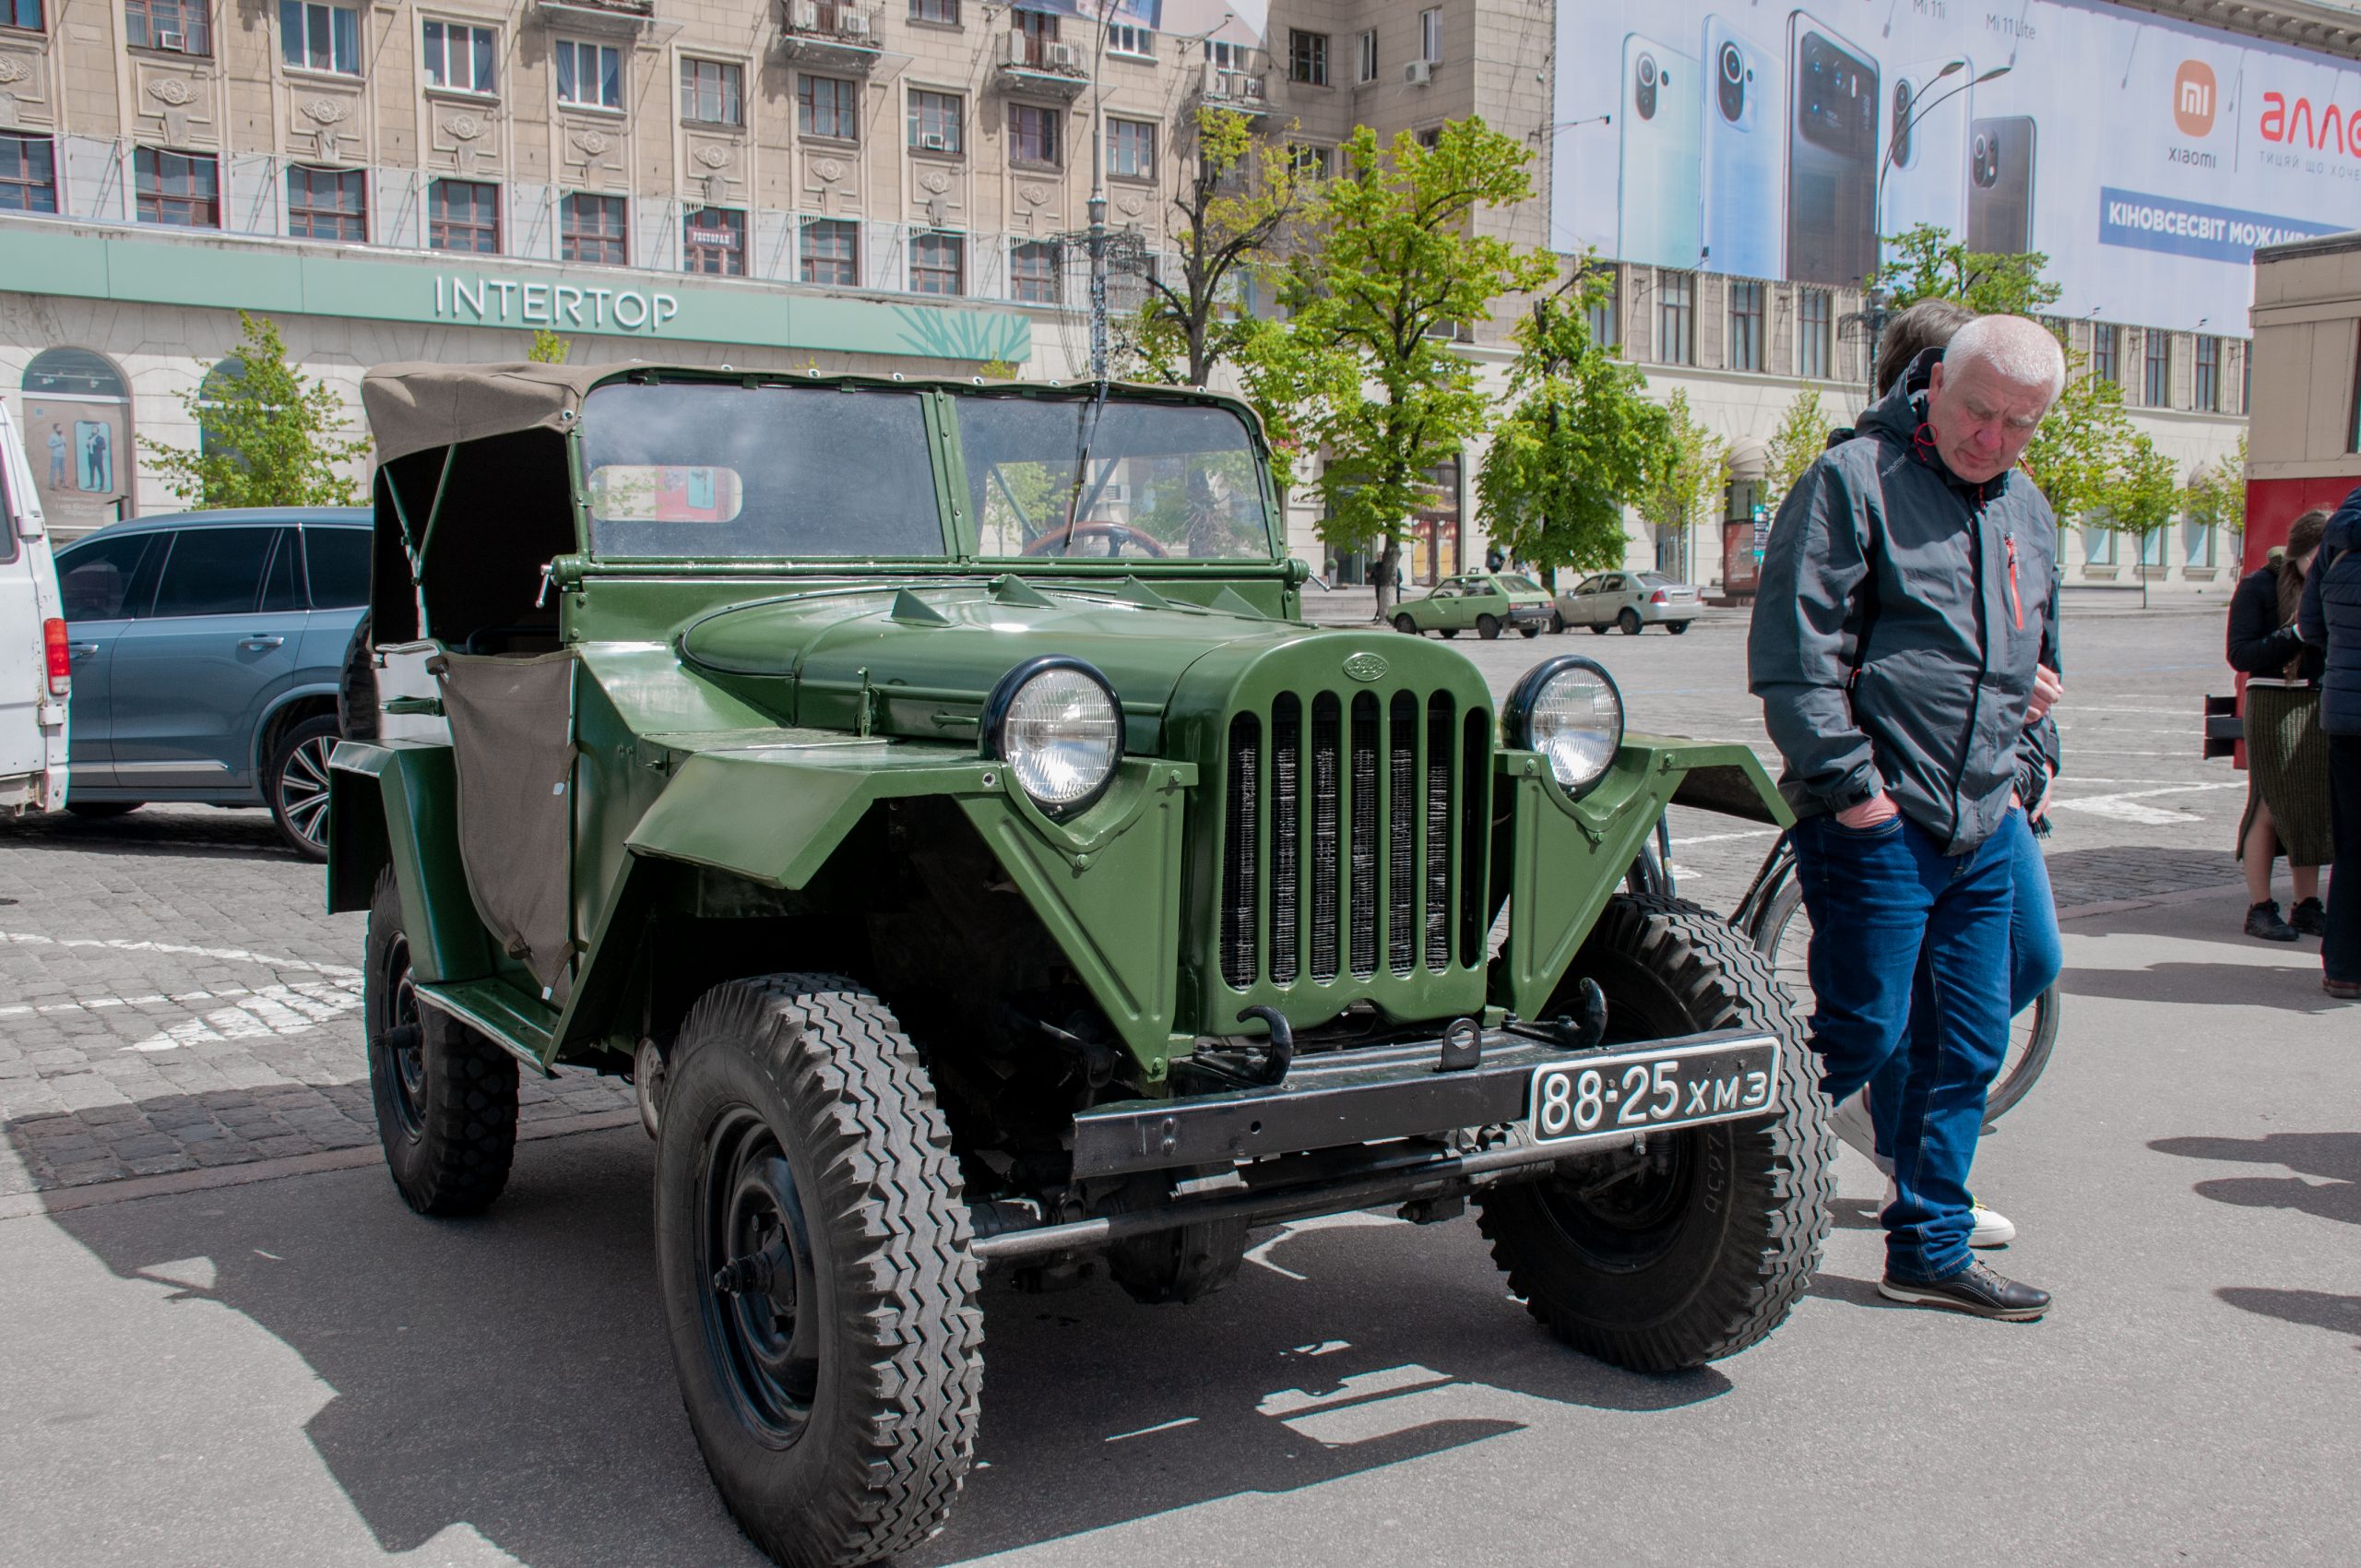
pixel 1897 621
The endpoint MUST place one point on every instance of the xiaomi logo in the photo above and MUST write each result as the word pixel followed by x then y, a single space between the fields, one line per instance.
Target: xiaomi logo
pixel 2193 92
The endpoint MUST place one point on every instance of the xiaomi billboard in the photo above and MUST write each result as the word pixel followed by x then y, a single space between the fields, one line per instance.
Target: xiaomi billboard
pixel 2146 158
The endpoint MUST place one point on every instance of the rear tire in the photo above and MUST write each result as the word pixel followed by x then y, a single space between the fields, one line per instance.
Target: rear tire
pixel 1628 622
pixel 833 1386
pixel 1487 628
pixel 1700 1246
pixel 445 1096
pixel 298 784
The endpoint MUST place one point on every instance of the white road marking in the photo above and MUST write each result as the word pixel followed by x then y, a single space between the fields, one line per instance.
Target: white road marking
pixel 1160 1426
pixel 224 954
pixel 272 1010
pixel 2126 805
pixel 1724 837
pixel 91 1003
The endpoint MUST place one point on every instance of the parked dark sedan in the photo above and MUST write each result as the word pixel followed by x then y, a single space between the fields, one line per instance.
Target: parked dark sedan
pixel 206 648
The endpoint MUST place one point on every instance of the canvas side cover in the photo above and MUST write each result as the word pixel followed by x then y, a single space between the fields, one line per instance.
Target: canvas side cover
pixel 511 739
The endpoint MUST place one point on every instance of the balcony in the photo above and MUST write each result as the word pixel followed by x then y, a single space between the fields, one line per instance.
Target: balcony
pixel 1242 85
pixel 607 19
pixel 1041 66
pixel 831 34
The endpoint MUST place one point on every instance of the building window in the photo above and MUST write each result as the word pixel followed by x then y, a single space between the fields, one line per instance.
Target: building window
pixel 27 174
pixel 938 264
pixel 712 92
pixel 176 189
pixel 328 204
pixel 1365 57
pixel 1309 162
pixel 2098 547
pixel 827 106
pixel 714 240
pixel 1033 272
pixel 1429 139
pixel 1676 317
pixel 943 11
pixel 1815 314
pixel 463 215
pixel 2197 541
pixel 935 118
pixel 1308 57
pixel 461 57
pixel 1746 324
pixel 313 37
pixel 594 229
pixel 2157 384
pixel 2104 362
pixel 1430 36
pixel 1224 56
pixel 831 251
pixel 589 76
pixel 2209 377
pixel 1032 134
pixel 23 14
pixel 1131 40
pixel 1131 149
pixel 1605 319
pixel 183 25
pixel 1039 30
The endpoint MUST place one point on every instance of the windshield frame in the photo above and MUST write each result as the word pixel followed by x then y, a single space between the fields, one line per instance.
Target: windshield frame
pixel 962 532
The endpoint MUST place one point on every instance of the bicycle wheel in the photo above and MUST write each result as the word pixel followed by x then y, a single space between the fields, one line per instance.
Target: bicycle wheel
pixel 1783 936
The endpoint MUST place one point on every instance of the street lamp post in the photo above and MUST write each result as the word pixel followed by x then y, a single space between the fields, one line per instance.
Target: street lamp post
pixel 1874 314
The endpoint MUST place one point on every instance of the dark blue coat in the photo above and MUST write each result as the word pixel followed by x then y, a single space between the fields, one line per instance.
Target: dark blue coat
pixel 2330 617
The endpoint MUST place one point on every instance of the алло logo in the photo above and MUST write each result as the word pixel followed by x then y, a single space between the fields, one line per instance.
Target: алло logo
pixel 2193 98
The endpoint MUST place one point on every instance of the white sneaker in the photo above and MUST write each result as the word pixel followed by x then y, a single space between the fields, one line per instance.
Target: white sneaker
pixel 1993 1228
pixel 1850 1122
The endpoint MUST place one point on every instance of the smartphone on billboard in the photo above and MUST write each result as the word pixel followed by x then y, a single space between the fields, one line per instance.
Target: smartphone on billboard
pixel 1656 216
pixel 1927 147
pixel 1833 112
pixel 2000 185
pixel 1744 143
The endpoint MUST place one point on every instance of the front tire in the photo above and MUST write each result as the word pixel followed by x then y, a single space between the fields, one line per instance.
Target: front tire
pixel 1406 626
pixel 298 782
pixel 812 1257
pixel 1699 1246
pixel 445 1096
pixel 1557 622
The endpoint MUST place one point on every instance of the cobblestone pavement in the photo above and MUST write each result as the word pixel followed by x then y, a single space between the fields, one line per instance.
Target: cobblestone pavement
pixel 172 996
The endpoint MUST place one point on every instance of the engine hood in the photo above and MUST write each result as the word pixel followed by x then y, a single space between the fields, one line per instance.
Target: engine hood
pixel 919 662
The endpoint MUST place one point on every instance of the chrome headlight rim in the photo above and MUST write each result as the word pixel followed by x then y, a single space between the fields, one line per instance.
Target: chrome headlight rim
pixel 990 739
pixel 1517 714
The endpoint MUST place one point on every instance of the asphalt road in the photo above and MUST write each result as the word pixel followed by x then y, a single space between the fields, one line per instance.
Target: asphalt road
pixel 296 1369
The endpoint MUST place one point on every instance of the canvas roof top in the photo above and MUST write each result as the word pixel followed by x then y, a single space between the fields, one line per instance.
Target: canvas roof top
pixel 414 406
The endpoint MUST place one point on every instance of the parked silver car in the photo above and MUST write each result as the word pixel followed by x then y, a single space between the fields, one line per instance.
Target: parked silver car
pixel 205 648
pixel 1627 601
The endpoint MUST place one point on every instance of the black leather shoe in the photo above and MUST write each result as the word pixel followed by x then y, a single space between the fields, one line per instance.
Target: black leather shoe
pixel 2263 921
pixel 1975 1290
pixel 2309 918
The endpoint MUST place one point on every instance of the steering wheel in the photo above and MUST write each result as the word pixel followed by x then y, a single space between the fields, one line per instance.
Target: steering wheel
pixel 1061 540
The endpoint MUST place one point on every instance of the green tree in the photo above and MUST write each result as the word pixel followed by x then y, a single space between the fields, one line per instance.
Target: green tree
pixel 2142 498
pixel 1239 194
pixel 1928 263
pixel 1399 268
pixel 268 434
pixel 2084 445
pixel 1581 440
pixel 548 347
pixel 1802 435
pixel 1688 484
pixel 2217 494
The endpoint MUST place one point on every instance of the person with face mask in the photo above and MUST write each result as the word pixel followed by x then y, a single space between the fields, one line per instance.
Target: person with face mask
pixel 1896 644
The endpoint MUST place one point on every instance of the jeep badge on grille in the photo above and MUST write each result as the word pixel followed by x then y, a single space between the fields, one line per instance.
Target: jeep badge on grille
pixel 1366 666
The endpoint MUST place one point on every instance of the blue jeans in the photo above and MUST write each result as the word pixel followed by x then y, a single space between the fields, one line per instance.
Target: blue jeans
pixel 2035 954
pixel 1899 928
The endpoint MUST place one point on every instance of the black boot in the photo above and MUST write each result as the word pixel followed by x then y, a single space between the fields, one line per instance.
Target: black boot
pixel 1975 1290
pixel 2263 921
pixel 2309 918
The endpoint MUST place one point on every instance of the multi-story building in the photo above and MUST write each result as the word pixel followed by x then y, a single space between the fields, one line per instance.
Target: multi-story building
pixel 887 185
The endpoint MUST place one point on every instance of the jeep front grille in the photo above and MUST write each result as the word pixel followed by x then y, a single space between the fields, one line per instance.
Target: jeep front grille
pixel 1349 827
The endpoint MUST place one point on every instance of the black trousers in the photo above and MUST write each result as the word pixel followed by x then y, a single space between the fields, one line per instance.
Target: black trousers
pixel 2341 954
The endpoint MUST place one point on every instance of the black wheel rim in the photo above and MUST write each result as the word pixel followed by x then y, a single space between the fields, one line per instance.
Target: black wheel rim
pixel 303 790
pixel 402 1038
pixel 754 1263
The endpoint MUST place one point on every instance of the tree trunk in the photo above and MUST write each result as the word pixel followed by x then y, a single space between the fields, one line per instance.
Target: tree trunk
pixel 1390 575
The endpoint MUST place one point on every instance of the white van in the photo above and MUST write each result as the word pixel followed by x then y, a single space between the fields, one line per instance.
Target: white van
pixel 35 664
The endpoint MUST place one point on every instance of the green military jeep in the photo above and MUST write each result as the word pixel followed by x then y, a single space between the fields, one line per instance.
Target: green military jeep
pixel 927 793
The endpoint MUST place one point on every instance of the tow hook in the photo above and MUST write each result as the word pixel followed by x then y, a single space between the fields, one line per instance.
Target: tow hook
pixel 1281 1056
pixel 1462 1046
pixel 1586 1029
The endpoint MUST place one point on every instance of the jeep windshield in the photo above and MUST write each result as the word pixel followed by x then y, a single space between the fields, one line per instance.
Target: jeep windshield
pixel 778 471
pixel 1079 478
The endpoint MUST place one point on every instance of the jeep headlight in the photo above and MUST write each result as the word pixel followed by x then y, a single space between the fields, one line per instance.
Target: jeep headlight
pixel 1569 710
pixel 1055 722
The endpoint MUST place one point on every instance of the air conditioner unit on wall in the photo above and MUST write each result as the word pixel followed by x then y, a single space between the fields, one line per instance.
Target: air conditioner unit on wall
pixel 1062 57
pixel 853 24
pixel 1418 73
pixel 1012 49
pixel 172 40
pixel 804 14
pixel 934 141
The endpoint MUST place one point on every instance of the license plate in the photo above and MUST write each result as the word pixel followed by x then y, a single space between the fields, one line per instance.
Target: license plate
pixel 1640 1091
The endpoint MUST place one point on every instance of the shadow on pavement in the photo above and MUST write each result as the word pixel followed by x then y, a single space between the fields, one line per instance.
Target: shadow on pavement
pixel 2106 872
pixel 2328 1166
pixel 510 1373
pixel 152 830
pixel 2313 1309
pixel 2289 988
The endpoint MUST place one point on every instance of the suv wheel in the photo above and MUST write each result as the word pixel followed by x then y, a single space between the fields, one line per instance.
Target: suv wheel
pixel 1488 626
pixel 299 785
pixel 1697 1246
pixel 812 1258
pixel 1628 622
pixel 445 1096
